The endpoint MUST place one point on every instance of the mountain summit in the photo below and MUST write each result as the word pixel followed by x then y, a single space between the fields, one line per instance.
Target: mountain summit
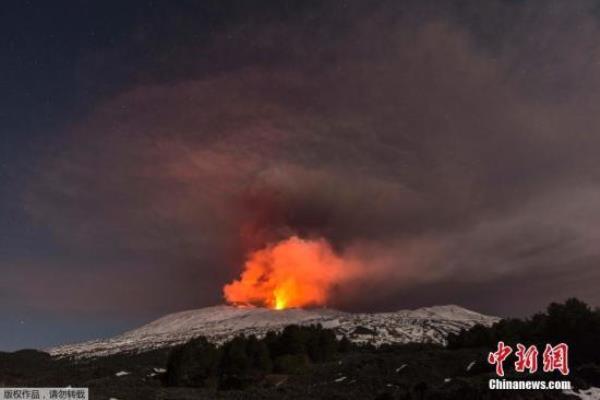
pixel 220 323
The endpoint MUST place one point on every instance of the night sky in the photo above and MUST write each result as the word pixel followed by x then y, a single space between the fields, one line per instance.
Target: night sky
pixel 147 146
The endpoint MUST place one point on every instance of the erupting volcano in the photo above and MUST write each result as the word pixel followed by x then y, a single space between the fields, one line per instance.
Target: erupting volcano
pixel 294 272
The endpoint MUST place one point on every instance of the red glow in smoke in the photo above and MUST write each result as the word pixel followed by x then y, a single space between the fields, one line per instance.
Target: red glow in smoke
pixel 291 273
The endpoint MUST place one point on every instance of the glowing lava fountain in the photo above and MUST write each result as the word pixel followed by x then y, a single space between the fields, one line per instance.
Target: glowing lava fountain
pixel 294 272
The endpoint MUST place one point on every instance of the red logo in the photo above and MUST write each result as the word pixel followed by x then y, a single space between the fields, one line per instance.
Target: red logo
pixel 555 358
pixel 499 356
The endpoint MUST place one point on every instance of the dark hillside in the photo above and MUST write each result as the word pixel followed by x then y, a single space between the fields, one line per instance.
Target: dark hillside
pixel 311 363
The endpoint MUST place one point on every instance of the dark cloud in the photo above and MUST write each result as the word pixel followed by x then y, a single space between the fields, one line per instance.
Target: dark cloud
pixel 452 150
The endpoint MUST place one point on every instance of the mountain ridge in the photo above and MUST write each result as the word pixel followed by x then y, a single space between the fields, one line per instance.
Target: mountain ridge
pixel 220 323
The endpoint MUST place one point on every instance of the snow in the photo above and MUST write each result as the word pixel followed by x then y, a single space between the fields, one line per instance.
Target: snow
pixel 341 379
pixel 221 323
pixel 470 365
pixel 159 370
pixel 400 368
pixel 593 393
pixel 447 380
pixel 122 373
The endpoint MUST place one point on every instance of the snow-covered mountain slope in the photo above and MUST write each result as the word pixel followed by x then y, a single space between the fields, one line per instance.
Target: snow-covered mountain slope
pixel 220 323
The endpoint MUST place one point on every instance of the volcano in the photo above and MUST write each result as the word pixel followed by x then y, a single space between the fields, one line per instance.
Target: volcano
pixel 221 323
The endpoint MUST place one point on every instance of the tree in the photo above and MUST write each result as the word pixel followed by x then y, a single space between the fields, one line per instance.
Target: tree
pixel 194 364
pixel 259 354
pixel 572 322
pixel 243 361
pixel 293 340
pixel 235 360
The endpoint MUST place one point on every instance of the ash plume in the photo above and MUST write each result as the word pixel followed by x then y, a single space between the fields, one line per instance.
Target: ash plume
pixel 452 152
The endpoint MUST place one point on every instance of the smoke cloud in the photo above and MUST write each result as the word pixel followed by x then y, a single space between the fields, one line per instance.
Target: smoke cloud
pixel 453 152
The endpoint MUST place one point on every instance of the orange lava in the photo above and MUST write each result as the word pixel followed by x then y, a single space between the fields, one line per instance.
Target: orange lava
pixel 292 273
